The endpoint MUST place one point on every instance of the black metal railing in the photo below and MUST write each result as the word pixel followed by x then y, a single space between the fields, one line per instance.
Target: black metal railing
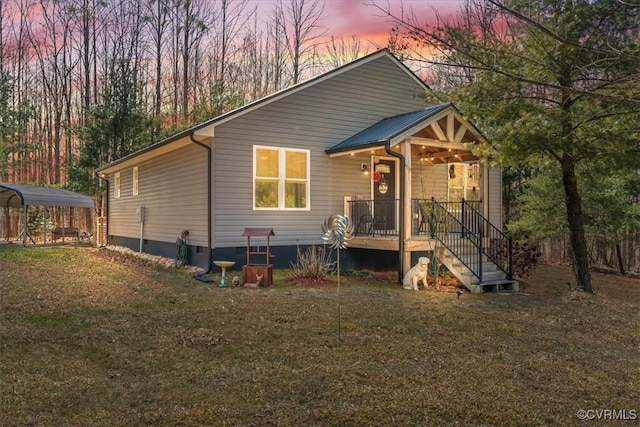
pixel 449 230
pixel 458 226
pixel 497 245
pixel 421 208
pixel 469 236
pixel 375 217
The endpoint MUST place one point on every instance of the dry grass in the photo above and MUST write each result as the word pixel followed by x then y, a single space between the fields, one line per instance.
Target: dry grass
pixel 89 337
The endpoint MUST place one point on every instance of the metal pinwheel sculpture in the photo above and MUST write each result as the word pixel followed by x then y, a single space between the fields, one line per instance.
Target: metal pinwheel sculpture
pixel 338 230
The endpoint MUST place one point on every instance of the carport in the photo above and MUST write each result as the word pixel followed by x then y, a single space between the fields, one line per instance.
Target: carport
pixel 22 196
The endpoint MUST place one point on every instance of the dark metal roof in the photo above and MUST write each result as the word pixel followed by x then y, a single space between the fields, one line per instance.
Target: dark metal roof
pixel 387 129
pixel 17 195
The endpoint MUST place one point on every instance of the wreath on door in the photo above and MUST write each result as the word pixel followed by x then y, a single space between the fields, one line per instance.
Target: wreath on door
pixel 377 176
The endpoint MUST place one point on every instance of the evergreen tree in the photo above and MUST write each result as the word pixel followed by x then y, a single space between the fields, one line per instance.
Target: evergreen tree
pixel 116 127
pixel 12 120
pixel 550 83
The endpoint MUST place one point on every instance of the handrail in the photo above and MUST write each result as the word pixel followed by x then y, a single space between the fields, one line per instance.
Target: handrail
pixel 499 246
pixel 448 230
pixel 456 224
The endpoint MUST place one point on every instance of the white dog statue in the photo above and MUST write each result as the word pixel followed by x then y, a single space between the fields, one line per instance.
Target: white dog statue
pixel 417 274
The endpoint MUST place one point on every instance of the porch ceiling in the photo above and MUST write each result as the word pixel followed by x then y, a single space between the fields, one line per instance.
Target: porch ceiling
pixel 432 154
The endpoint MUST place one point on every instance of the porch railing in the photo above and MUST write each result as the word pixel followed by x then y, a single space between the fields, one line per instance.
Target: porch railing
pixel 375 217
pixel 458 226
pixel 496 245
pixel 469 236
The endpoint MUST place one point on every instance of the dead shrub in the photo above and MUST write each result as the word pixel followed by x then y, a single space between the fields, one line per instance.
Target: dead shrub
pixel 313 263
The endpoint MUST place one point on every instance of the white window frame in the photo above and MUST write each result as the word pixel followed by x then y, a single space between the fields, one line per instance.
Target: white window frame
pixel 282 168
pixel 116 185
pixel 135 180
pixel 465 168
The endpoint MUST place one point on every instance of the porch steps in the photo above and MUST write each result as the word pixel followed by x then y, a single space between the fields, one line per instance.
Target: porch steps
pixel 494 279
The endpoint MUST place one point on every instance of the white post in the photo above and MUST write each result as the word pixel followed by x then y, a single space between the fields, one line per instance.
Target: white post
pixel 408 214
pixel 62 209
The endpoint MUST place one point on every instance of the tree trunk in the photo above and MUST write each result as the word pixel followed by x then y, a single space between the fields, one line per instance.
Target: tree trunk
pixel 573 204
pixel 619 255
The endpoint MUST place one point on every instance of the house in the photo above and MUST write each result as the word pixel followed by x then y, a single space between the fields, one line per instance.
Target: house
pixel 360 140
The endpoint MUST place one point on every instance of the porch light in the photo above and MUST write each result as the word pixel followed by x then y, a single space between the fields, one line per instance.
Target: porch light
pixel 364 168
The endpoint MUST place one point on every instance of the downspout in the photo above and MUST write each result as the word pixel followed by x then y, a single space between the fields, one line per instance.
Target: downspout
pixel 209 188
pixel 400 157
pixel 106 207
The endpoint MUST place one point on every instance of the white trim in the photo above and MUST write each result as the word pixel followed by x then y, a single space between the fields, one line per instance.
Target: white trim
pixel 282 179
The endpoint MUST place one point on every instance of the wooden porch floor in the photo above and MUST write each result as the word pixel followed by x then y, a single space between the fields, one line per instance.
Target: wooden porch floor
pixel 391 243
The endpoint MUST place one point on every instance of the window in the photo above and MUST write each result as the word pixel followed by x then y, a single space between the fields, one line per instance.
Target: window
pixel 116 185
pixel 135 180
pixel 281 178
pixel 464 181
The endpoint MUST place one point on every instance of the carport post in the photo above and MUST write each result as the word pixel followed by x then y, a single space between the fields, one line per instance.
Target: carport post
pixel 44 238
pixel 24 236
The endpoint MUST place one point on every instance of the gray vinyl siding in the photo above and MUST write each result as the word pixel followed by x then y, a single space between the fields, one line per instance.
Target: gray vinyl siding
pixel 314 119
pixel 173 190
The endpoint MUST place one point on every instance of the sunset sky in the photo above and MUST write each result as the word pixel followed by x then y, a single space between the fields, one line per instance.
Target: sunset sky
pixel 345 18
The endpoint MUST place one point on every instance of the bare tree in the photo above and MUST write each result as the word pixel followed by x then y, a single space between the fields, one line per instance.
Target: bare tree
pixel 342 51
pixel 191 20
pixel 299 23
pixel 50 42
pixel 157 16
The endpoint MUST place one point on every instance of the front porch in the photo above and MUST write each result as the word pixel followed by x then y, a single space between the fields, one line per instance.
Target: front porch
pixel 473 249
pixel 421 188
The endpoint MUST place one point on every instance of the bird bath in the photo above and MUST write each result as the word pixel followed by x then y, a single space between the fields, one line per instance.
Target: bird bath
pixel 223 265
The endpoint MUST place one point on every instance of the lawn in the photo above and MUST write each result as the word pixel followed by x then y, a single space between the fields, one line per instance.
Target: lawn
pixel 90 337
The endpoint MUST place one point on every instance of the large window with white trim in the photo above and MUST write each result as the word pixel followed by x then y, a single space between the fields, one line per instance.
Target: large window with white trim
pixel 281 178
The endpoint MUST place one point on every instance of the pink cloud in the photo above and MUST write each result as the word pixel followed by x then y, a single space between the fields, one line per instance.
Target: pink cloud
pixel 347 18
pixel 358 17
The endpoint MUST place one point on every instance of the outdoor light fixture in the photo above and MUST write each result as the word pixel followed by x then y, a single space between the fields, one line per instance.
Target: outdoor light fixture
pixel 364 168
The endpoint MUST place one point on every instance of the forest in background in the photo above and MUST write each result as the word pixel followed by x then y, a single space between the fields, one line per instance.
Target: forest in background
pixel 85 82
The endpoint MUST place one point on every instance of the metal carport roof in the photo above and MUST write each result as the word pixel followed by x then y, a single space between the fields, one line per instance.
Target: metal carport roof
pixel 18 195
